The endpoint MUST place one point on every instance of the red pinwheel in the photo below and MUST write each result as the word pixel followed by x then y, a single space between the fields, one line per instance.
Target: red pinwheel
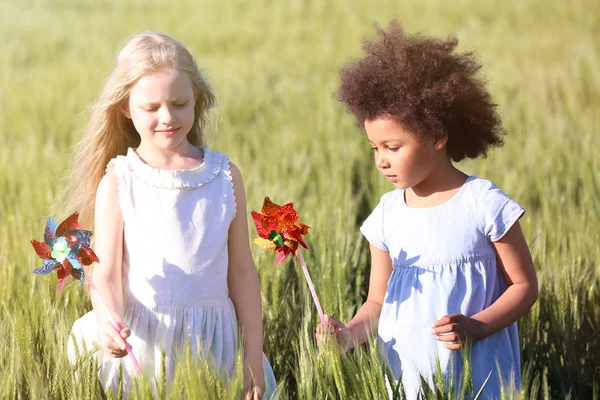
pixel 280 232
pixel 279 229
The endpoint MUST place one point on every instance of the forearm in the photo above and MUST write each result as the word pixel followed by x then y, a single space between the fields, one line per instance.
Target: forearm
pixel 513 304
pixel 364 322
pixel 110 289
pixel 245 294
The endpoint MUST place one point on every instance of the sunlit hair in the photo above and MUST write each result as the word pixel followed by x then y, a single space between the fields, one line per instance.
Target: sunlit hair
pixel 109 133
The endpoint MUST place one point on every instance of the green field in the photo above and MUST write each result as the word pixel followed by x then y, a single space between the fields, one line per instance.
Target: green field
pixel 274 67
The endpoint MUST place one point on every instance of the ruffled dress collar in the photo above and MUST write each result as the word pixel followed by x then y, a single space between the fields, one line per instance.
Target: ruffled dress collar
pixel 177 178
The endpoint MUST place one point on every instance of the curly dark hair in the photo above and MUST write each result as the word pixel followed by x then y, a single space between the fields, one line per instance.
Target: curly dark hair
pixel 420 83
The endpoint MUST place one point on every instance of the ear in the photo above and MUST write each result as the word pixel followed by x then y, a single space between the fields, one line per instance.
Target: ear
pixel 440 143
pixel 125 111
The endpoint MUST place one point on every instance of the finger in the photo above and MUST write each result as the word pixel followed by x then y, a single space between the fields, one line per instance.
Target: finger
pixel 456 318
pixel 110 348
pixel 447 319
pixel 334 323
pixel 322 329
pixel 319 338
pixel 108 345
pixel 451 338
pixel 122 328
pixel 325 330
pixel 117 354
pixel 452 327
pixel 453 346
pixel 115 336
pixel 125 332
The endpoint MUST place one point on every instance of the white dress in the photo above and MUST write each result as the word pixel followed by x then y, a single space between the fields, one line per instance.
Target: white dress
pixel 175 264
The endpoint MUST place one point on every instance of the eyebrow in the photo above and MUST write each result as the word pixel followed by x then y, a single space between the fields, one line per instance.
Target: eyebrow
pixel 174 100
pixel 387 140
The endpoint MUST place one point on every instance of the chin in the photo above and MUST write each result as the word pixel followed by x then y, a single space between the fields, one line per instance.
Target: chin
pixel 401 186
pixel 170 143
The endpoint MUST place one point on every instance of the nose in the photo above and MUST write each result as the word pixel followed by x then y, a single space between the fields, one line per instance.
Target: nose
pixel 381 160
pixel 166 116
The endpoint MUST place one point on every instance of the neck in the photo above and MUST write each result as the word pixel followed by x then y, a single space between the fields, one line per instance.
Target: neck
pixel 440 185
pixel 169 157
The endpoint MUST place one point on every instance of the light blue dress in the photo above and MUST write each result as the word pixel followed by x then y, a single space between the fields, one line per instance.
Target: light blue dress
pixel 444 263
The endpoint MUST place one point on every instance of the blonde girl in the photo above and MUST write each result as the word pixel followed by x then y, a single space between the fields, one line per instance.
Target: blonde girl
pixel 169 216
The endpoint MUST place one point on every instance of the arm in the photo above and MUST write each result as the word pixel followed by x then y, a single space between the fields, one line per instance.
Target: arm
pixel 514 260
pixel 108 274
pixel 244 288
pixel 367 318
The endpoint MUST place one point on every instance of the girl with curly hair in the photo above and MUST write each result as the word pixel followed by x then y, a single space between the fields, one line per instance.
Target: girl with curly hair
pixel 451 272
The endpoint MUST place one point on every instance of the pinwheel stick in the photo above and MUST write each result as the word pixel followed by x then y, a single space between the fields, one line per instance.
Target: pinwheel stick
pixel 90 282
pixel 310 284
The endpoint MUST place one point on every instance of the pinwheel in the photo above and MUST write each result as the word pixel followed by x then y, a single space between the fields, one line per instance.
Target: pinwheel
pixel 280 232
pixel 66 249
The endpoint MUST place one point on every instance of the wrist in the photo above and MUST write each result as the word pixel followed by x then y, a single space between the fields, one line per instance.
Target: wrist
pixel 353 336
pixel 481 329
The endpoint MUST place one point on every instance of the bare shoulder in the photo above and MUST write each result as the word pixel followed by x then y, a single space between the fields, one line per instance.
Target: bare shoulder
pixel 236 173
pixel 109 185
pixel 236 178
pixel 107 207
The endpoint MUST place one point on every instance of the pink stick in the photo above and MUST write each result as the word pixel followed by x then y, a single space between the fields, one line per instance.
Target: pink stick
pixel 90 282
pixel 310 285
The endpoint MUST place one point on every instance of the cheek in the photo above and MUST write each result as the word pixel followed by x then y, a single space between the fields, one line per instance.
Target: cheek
pixel 185 117
pixel 422 160
pixel 142 120
pixel 408 159
pixel 187 114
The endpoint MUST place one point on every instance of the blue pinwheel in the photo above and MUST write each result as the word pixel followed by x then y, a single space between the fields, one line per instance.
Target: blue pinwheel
pixel 65 249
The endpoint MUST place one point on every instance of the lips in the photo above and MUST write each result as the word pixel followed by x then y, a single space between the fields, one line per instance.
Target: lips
pixel 167 132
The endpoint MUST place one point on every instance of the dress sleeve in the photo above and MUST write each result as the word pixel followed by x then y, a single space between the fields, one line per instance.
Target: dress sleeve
pixel 498 212
pixel 372 228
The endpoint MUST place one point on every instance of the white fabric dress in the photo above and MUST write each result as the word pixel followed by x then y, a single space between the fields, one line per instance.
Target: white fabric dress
pixel 175 264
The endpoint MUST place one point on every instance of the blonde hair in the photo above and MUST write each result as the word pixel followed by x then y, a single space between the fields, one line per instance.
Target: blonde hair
pixel 109 133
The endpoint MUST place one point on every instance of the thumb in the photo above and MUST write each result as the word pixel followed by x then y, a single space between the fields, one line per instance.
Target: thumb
pixel 125 331
pixel 333 322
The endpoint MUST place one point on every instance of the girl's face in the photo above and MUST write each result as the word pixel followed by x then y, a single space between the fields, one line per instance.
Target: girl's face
pixel 400 156
pixel 161 107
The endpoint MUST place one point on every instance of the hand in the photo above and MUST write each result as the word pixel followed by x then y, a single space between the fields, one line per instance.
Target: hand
pixel 254 384
pixel 337 328
pixel 111 341
pixel 456 331
pixel 254 393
